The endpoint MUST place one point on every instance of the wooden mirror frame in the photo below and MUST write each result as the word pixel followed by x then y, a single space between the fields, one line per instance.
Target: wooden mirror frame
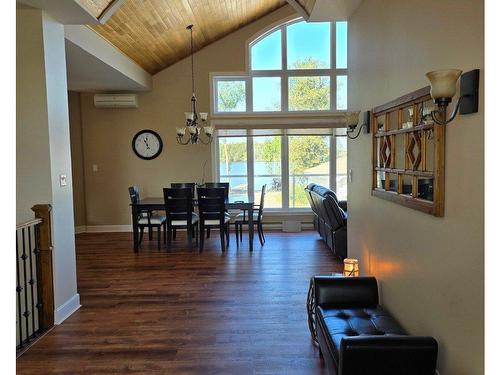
pixel 416 165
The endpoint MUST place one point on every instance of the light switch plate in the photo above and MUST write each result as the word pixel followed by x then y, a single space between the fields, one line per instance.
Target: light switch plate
pixel 63 180
pixel 350 175
pixel 94 168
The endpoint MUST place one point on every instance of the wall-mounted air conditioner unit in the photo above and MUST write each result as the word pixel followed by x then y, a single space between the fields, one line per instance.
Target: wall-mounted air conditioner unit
pixel 116 101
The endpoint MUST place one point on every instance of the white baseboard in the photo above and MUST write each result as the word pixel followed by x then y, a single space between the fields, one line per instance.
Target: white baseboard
pixel 128 228
pixel 80 229
pixel 108 228
pixel 67 309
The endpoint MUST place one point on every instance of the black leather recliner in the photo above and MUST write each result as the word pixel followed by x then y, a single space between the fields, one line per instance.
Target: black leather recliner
pixel 330 218
pixel 357 336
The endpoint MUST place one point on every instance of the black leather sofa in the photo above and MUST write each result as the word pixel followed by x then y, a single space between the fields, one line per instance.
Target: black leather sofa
pixel 357 336
pixel 330 218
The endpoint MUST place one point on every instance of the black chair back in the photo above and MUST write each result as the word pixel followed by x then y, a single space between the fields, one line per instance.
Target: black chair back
pixel 179 185
pixel 211 203
pixel 224 185
pixel 133 191
pixel 178 204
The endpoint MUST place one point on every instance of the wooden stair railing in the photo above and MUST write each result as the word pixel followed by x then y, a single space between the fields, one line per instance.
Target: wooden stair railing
pixel 34 276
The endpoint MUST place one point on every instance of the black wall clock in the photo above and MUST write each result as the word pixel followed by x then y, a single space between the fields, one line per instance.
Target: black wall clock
pixel 147 144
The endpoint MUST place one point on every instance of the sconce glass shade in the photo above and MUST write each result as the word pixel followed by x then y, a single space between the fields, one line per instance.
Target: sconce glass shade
pixel 189 115
pixel 351 267
pixel 181 132
pixel 443 83
pixel 352 119
pixel 209 130
pixel 204 116
pixel 192 130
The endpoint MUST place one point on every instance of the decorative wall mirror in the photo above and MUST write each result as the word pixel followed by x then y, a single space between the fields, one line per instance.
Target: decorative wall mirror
pixel 408 153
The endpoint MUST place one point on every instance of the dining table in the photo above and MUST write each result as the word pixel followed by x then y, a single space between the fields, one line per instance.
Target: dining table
pixel 158 204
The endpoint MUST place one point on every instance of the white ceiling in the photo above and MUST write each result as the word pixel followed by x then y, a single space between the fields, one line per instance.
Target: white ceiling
pixel 86 72
pixel 67 12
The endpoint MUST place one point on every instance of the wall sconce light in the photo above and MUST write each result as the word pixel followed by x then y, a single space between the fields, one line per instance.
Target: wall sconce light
pixel 352 119
pixel 443 89
pixel 351 267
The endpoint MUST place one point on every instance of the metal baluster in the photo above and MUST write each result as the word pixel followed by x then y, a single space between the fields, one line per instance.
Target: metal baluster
pixel 18 290
pixel 31 282
pixel 26 311
pixel 39 301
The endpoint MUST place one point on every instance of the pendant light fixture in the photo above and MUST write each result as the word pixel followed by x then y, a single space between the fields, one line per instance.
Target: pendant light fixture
pixel 194 132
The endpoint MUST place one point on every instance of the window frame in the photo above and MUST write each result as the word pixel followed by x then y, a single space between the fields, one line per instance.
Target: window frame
pixel 284 74
pixel 284 168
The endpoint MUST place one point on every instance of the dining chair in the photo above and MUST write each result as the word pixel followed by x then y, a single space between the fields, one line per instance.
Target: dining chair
pixel 147 218
pixel 177 185
pixel 212 214
pixel 224 185
pixel 242 219
pixel 180 213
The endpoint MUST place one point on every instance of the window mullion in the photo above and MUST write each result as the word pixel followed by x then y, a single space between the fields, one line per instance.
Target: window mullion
pixel 250 168
pixel 285 180
pixel 249 94
pixel 333 163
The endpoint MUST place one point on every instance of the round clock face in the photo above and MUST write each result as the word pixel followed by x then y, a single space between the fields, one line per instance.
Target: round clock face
pixel 147 144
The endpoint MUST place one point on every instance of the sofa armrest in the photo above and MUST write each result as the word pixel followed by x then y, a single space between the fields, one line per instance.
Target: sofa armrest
pixel 345 292
pixel 388 355
pixel 343 205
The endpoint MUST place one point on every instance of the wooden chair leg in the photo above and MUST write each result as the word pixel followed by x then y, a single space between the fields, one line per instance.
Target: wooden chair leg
pixel 208 232
pixel 261 238
pixel 169 235
pixel 261 228
pixel 202 237
pixel 222 239
pixel 159 237
pixel 237 236
pixel 141 229
pixel 196 234
pixel 164 233
pixel 150 232
pixel 241 232
pixel 189 236
pixel 228 227
pixel 174 234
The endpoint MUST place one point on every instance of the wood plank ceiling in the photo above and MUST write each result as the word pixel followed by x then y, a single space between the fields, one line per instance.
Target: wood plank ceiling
pixel 95 7
pixel 153 32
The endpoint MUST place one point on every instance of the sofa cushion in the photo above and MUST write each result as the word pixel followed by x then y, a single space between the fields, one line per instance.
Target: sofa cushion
pixel 339 323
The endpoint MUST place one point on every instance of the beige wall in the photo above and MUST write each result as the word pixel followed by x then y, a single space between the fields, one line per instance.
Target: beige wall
pixel 33 185
pixel 75 127
pixel 43 146
pixel 108 133
pixel 430 269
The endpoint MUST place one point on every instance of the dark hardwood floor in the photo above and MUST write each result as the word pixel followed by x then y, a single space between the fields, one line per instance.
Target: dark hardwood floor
pixel 182 312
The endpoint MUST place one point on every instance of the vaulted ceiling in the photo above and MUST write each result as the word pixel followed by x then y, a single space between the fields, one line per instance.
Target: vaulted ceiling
pixel 95 7
pixel 153 32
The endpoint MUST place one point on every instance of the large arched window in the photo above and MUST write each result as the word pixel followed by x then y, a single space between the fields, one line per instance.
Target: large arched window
pixel 297 67
pixel 276 124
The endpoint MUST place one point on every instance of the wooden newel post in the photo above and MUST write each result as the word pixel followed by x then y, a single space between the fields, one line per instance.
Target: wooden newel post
pixel 46 280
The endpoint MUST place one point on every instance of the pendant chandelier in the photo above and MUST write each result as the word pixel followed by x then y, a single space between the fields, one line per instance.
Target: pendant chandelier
pixel 194 132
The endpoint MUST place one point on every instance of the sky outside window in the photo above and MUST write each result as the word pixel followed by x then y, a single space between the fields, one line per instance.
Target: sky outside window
pixel 266 54
pixel 308 45
pixel 266 94
pixel 341 44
